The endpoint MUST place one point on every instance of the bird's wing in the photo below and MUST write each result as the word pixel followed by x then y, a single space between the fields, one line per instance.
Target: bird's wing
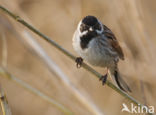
pixel 113 41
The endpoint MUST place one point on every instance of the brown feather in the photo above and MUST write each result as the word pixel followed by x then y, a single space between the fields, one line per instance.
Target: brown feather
pixel 113 41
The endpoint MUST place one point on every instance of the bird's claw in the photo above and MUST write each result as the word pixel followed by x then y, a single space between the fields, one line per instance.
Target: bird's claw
pixel 103 79
pixel 79 62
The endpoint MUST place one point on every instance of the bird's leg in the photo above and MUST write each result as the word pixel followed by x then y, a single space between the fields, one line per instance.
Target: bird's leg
pixel 104 78
pixel 79 62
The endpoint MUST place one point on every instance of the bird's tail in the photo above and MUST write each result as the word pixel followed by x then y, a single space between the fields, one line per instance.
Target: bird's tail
pixel 114 72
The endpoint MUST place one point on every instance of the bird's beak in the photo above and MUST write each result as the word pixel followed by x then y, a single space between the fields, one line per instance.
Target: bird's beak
pixel 90 29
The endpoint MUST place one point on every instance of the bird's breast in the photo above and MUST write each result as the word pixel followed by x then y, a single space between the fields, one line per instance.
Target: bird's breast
pixel 86 38
pixel 96 51
pixel 97 54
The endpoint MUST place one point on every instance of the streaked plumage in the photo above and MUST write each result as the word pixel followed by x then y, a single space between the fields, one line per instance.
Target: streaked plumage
pixel 97 44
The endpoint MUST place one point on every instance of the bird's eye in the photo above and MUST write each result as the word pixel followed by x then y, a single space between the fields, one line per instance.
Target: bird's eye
pixel 86 28
pixel 97 26
pixel 83 27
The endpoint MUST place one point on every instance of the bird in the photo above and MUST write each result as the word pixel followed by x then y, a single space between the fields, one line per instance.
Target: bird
pixel 95 43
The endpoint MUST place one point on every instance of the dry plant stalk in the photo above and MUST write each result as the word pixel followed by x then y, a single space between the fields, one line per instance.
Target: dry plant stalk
pixel 4 103
pixel 4 52
pixel 65 52
pixel 55 69
pixel 6 74
pixel 36 49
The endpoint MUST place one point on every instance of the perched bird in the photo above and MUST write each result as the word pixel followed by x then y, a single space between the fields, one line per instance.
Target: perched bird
pixel 97 44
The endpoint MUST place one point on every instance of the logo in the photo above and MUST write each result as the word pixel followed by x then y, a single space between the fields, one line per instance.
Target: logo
pixel 137 109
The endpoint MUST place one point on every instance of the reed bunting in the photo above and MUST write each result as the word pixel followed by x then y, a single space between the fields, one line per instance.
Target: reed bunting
pixel 97 44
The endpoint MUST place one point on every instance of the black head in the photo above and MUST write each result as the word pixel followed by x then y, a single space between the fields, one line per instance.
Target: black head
pixel 90 20
pixel 90 23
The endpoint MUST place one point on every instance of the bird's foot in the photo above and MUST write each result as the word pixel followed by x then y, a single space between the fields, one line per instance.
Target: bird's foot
pixel 79 62
pixel 103 79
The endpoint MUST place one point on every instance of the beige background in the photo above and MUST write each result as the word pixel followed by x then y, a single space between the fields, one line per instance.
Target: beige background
pixel 133 23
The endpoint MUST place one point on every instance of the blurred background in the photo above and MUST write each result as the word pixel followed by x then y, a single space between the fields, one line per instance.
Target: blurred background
pixel 29 58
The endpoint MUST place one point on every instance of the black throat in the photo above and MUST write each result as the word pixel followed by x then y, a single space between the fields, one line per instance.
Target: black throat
pixel 85 39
